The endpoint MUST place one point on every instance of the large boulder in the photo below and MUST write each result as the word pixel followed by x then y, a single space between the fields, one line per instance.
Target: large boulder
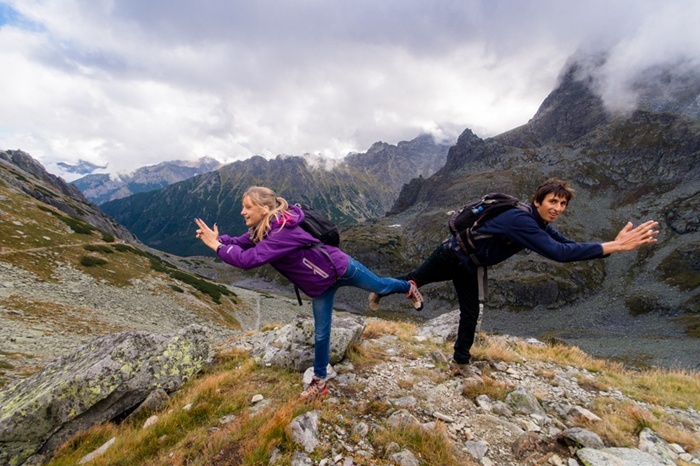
pixel 97 382
pixel 292 346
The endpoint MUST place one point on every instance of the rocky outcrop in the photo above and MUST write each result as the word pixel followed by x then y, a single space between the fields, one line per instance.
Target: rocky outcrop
pixel 292 346
pixel 98 382
pixel 521 429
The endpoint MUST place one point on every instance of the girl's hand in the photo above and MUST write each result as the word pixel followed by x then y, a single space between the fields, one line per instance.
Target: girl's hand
pixel 209 236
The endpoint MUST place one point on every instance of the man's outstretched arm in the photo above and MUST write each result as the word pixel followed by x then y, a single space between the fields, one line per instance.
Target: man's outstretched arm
pixel 631 238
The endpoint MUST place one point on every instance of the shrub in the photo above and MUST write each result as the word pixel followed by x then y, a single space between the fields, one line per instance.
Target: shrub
pixel 98 248
pixel 206 287
pixel 89 261
pixel 75 224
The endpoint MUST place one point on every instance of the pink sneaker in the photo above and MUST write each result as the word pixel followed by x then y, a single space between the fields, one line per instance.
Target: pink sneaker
pixel 415 296
pixel 316 387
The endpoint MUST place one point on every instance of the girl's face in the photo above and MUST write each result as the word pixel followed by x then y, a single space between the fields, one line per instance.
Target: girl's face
pixel 253 213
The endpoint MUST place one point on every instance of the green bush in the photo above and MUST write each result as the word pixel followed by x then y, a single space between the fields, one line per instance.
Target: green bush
pixel 89 261
pixel 206 287
pixel 107 237
pixel 98 248
pixel 75 224
pixel 158 266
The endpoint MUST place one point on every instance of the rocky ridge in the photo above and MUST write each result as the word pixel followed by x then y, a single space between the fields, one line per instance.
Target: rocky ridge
pixel 101 188
pixel 546 412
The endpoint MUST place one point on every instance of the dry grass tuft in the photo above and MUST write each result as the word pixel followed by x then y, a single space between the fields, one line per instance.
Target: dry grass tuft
pixel 431 447
pixel 494 389
pixel 366 356
pixel 487 348
pixel 378 328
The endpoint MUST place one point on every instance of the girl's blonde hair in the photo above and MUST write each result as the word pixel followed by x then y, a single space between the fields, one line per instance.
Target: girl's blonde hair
pixel 278 206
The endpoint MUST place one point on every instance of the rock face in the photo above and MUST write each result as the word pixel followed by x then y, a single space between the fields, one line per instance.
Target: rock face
pixel 292 346
pixel 633 167
pixel 98 382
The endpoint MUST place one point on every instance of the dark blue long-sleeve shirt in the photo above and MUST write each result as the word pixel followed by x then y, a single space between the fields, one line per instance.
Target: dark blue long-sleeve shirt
pixel 515 230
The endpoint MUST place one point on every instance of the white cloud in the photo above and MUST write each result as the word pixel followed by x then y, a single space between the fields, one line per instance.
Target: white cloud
pixel 133 83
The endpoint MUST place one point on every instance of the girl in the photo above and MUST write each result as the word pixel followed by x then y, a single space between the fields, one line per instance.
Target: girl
pixel 275 237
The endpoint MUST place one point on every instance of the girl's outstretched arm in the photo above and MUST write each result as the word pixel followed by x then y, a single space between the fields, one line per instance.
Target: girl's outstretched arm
pixel 209 236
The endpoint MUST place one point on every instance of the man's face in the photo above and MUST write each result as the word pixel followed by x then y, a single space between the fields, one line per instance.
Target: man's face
pixel 551 207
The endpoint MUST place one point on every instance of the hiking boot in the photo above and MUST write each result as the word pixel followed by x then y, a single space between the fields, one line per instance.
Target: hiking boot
pixel 316 387
pixel 374 302
pixel 415 297
pixel 462 370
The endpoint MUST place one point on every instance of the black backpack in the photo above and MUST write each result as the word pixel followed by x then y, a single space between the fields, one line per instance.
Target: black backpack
pixel 465 221
pixel 321 228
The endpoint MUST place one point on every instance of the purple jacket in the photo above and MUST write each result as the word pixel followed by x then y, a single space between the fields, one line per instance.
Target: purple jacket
pixel 288 251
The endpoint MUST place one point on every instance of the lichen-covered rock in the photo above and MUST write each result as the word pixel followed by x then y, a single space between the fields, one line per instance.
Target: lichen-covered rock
pixel 524 402
pixel 292 346
pixel 97 382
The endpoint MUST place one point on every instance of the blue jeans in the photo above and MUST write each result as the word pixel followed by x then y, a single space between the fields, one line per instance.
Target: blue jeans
pixel 356 275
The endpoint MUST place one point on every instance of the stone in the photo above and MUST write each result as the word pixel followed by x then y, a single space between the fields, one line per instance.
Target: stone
pixel 440 329
pixel 404 458
pixel 477 449
pixel 583 437
pixel 99 452
pixel 95 383
pixel 524 402
pixel 304 430
pixel 157 400
pixel 657 447
pixel 301 459
pixel 402 418
pixel 616 457
pixel 292 346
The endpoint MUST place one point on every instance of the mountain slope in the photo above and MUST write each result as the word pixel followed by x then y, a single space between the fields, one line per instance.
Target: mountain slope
pixel 361 187
pixel 101 188
pixel 64 280
pixel 625 167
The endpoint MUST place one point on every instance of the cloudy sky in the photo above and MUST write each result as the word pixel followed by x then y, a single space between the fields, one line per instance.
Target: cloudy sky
pixel 128 83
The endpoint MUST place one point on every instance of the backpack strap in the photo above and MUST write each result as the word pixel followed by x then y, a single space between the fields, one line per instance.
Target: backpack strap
pixel 482 280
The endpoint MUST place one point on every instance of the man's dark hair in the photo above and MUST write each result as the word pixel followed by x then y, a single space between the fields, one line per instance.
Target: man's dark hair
pixel 560 188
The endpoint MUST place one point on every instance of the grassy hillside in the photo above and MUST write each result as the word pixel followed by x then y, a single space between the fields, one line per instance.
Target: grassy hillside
pixel 213 420
pixel 63 281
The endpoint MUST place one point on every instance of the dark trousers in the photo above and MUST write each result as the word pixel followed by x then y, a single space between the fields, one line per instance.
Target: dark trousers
pixel 443 265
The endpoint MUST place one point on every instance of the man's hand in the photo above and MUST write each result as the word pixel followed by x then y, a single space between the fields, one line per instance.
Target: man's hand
pixel 631 237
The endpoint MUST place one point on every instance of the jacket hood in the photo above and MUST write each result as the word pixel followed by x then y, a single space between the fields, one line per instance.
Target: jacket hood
pixel 294 216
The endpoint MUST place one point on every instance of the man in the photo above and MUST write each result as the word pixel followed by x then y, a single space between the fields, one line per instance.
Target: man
pixel 512 231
